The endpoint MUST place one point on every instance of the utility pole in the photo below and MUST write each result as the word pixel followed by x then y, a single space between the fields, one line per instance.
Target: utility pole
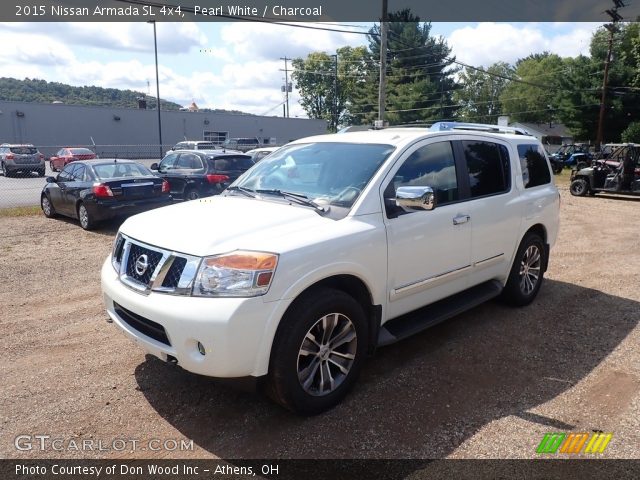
pixel 612 27
pixel 287 86
pixel 155 47
pixel 335 91
pixel 383 65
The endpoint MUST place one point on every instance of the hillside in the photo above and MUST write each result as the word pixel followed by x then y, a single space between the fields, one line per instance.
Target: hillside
pixel 41 91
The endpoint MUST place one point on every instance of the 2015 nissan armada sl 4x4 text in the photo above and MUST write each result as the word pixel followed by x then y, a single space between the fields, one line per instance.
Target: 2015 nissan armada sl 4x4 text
pixel 327 249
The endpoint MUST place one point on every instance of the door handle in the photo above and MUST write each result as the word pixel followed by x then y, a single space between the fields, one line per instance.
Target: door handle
pixel 460 219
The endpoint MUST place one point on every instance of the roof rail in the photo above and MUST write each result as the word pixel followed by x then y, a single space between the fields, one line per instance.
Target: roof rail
pixel 480 127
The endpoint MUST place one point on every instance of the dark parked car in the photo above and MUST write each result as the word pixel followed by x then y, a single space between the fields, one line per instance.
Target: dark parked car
pixel 20 158
pixel 199 173
pixel 96 190
pixel 69 154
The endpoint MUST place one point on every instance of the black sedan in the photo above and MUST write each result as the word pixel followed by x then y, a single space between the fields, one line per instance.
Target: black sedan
pixel 96 190
pixel 201 173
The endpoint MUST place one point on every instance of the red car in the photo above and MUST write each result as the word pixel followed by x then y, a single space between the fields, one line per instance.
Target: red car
pixel 68 155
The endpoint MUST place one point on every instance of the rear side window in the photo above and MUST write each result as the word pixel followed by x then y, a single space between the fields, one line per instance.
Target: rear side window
pixel 81 151
pixel 189 161
pixel 535 170
pixel 232 163
pixel 24 150
pixel 487 166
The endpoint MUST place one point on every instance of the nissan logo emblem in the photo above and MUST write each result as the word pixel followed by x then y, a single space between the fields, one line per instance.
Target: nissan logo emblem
pixel 142 263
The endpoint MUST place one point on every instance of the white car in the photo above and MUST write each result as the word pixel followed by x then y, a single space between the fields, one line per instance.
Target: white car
pixel 318 255
pixel 258 154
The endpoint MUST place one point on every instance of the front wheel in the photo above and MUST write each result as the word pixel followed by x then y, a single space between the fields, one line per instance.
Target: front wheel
pixel 318 351
pixel 579 187
pixel 526 273
pixel 47 207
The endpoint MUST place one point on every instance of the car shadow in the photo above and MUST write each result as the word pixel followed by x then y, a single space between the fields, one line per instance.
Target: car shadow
pixel 420 398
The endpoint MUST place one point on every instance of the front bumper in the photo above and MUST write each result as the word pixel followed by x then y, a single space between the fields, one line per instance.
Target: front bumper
pixel 232 330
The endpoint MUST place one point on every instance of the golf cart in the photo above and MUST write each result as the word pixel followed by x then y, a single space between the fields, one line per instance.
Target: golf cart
pixel 605 175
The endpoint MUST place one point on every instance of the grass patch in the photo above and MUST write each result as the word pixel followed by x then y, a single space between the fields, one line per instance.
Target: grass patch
pixel 20 211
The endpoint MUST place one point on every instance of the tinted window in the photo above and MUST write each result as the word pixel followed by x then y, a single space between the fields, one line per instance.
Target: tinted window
pixel 78 173
pixel 431 166
pixel 232 163
pixel 205 146
pixel 535 170
pixel 168 162
pixel 189 161
pixel 121 170
pixel 65 174
pixel 487 166
pixel 24 150
pixel 80 151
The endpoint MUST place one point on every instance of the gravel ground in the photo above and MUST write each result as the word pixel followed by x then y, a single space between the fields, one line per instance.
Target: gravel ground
pixel 487 384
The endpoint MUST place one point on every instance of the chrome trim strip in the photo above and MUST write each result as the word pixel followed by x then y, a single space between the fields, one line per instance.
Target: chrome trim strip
pixel 489 261
pixel 427 282
pixel 185 282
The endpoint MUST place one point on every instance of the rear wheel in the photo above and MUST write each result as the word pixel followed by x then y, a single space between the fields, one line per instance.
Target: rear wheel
pixel 579 187
pixel 41 172
pixel 318 351
pixel 47 207
pixel 86 220
pixel 191 194
pixel 526 273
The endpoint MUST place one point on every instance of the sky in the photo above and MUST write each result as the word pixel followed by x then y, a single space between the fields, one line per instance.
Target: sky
pixel 237 65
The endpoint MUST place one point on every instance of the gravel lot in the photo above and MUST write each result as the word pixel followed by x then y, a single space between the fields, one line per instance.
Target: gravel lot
pixel 487 384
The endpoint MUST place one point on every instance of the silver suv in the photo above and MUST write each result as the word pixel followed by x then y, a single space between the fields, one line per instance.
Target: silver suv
pixel 21 158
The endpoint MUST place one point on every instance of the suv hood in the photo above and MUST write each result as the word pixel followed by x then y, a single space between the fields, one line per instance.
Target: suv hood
pixel 219 224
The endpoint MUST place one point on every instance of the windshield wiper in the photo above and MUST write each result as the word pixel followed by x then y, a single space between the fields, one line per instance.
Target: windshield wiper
pixel 296 197
pixel 245 191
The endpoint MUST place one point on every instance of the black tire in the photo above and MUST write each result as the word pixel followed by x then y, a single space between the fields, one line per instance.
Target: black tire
pixel 47 207
pixel 7 173
pixel 317 312
pixel 86 221
pixel 521 288
pixel 579 187
pixel 191 194
pixel 41 172
pixel 51 166
pixel 2 169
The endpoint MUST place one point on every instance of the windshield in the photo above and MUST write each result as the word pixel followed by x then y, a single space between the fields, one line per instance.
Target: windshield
pixel 326 173
pixel 24 150
pixel 81 151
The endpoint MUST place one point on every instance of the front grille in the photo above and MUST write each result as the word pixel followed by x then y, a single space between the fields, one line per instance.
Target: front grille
pixel 143 325
pixel 153 258
pixel 175 271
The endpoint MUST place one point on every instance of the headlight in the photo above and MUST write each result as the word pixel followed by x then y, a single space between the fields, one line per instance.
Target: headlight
pixel 116 253
pixel 235 274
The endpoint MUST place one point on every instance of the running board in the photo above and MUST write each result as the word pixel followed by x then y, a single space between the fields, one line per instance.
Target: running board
pixel 425 317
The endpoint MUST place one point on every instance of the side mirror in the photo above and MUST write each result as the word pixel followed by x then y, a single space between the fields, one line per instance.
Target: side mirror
pixel 416 198
pixel 50 180
pixel 154 166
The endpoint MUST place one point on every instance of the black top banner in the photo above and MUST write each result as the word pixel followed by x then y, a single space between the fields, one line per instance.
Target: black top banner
pixel 315 10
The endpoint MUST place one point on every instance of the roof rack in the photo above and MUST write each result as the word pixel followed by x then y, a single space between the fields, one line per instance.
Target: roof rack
pixel 480 127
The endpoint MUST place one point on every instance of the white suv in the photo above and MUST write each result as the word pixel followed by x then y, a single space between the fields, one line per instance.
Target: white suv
pixel 326 250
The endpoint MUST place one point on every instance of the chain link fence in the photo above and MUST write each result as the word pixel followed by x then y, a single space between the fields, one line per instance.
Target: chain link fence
pixel 23 188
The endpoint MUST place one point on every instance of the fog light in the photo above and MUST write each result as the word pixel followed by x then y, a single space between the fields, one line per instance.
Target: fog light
pixel 201 349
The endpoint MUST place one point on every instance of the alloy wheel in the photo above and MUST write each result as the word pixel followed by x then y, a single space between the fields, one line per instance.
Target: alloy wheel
pixel 530 269
pixel 327 354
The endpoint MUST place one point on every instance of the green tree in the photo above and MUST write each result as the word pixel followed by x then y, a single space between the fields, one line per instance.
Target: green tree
pixel 318 77
pixel 530 97
pixel 632 133
pixel 420 75
pixel 479 94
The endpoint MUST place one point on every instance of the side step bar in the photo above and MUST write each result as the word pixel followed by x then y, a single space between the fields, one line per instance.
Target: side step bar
pixel 423 318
